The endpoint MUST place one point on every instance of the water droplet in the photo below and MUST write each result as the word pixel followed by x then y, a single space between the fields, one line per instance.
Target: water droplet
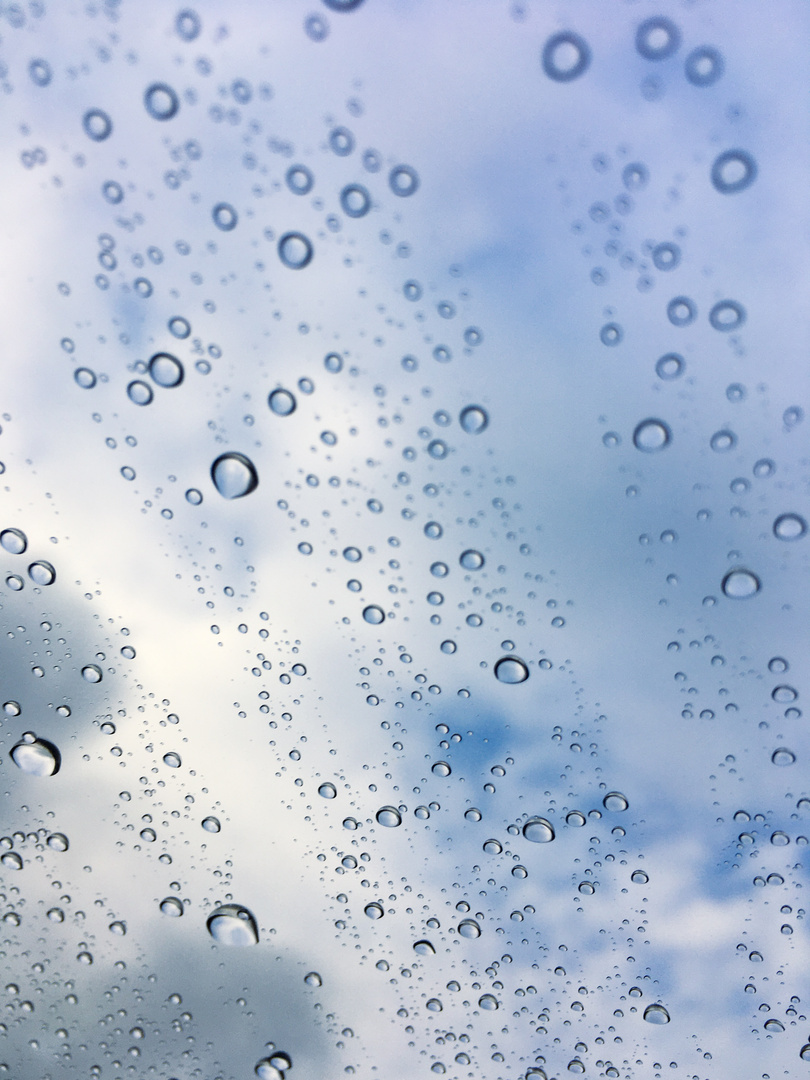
pixel 118 928
pixel 433 1005
pixel 615 801
pixel 656 1014
pixel 166 370
pixel 657 38
pixel 471 559
pixel 312 978
pixel 172 760
pixel 92 673
pixel 13 541
pixel 671 366
pixel 440 768
pixel 11 860
pixel 374 614
pixel 97 125
pixel 509 669
pixel 487 1001
pixel 704 66
pixel 139 392
pixel 651 435
pixel 639 877
pixel 733 171
pixel 171 906
pixel 493 847
pixel 15 582
pixel 469 928
pixel 161 102
pixel 666 256
pixel 225 217
pixel 295 250
pixel 740 584
pixel 58 842
pixel 281 402
pixel 234 475
pixel 538 830
pixel 789 527
pixel 355 201
pixel 37 757
pixel 327 791
pixel 774 1025
pixel 374 910
pixel 179 327
pixel 727 315
pixel 42 573
pixel 403 180
pixel 389 816
pixel 12 708
pixel 473 419
pixel 424 948
pixel 266 1070
pixel 783 756
pixel 234 925
pixel 575 818
pixel 473 814
pixel 804 1053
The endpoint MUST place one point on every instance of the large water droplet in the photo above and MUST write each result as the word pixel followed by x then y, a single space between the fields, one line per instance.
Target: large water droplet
pixel 789 527
pixel 473 419
pixel 37 757
pixel 166 370
pixel 433 1005
pixel 538 830
pixel 58 842
pixel 487 1001
pixel 266 1070
pixel 471 559
pixel 161 101
pixel 374 910
pixel 11 860
pixel 327 791
pixel 374 614
pixel 615 801
pixel 295 250
pixel 211 824
pixel 389 816
pixel 424 948
pixel 312 978
pixel 469 928
pixel 232 924
pixel 509 669
pixel 234 475
pixel 281 402
pixel 656 1014
pixel 651 435
pixel 42 573
pixel 440 768
pixel 171 906
pixel 493 847
pixel 783 756
pixel 14 541
pixel 740 584
pixel 92 673
pixel 575 818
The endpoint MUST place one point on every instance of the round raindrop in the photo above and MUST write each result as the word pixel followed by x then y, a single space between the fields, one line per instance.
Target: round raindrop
pixel 312 978
pixel 538 830
pixel 58 842
pixel 92 673
pixel 575 818
pixel 374 614
pixel 615 801
pixel 299 179
pixel 162 103
pixel 295 250
pixel 281 402
pixel 440 768
pixel 37 757
pixel 233 925
pixel 424 948
pixel 782 756
pixel 266 1070
pixel 211 824
pixel 739 584
pixel 374 910
pixel 635 176
pixel 666 256
pixel 469 928
pixel 97 125
pixel 179 327
pixel 355 201
pixel 488 1002
pixel 681 311
pixel 789 527
pixel 39 71
pixel 166 370
pixel 611 334
pixel 473 419
pixel 14 541
pixel 234 475
pixel 704 66
pixel 656 1014
pixel 671 366
pixel 224 216
pixel 139 392
pixel 172 907
pixel 42 573
pixel 727 315
pixel 657 38
pixel 188 24
pixel 565 56
pixel 172 760
pixel 510 669
pixel 341 141
pixel 403 180
pixel 327 791
pixel 639 877
pixel 733 171
pixel 651 435
pixel 389 816
pixel 471 559
pixel 493 847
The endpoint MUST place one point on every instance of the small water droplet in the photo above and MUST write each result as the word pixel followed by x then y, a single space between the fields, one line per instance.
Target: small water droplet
pixel 295 250
pixel 13 541
pixel 233 925
pixel 281 402
pixel 118 928
pixel 171 906
pixel 575 818
pixel 312 978
pixel 783 756
pixel 166 370
pixel 473 419
pixel 471 559
pixel 739 584
pixel 92 673
pixel 651 435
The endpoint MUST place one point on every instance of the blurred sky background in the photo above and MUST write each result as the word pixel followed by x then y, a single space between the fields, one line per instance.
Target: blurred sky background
pixel 534 237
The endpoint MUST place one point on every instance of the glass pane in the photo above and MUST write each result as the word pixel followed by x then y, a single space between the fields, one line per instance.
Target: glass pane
pixel 403 539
